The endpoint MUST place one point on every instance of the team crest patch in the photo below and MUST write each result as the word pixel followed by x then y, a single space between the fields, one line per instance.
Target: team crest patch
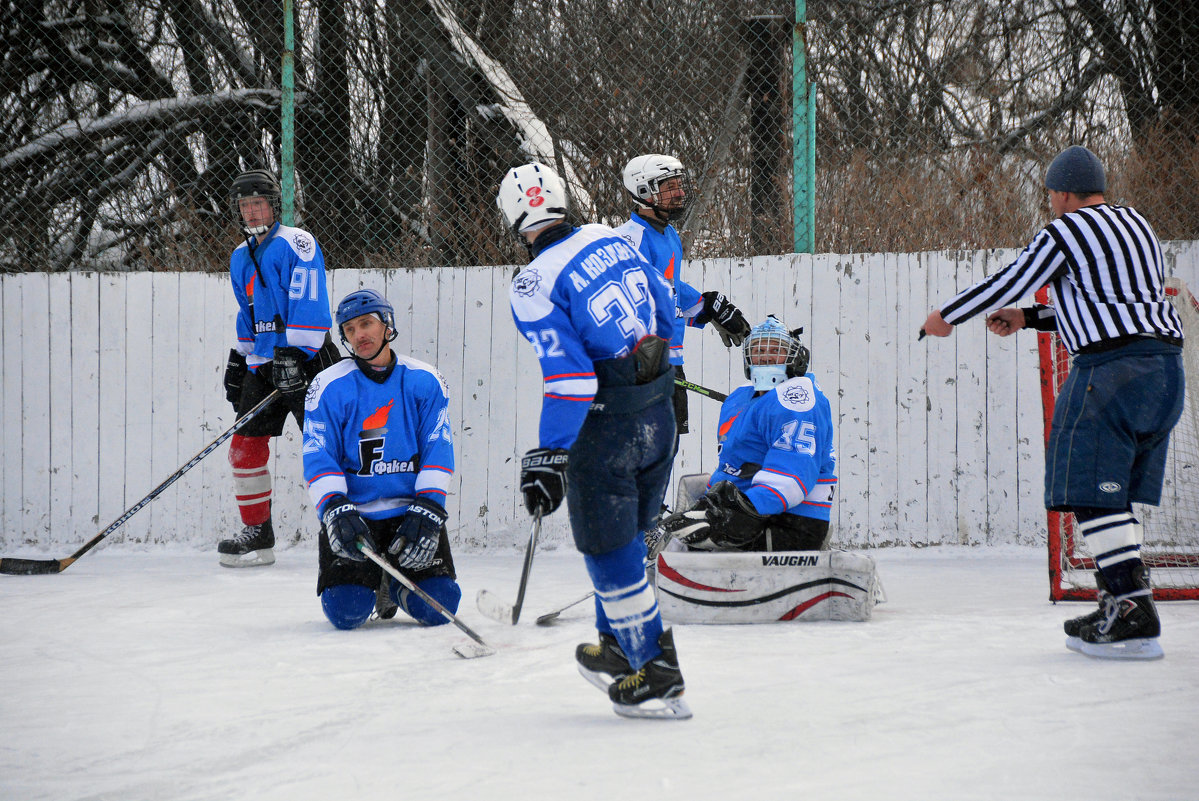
pixel 527 283
pixel 304 245
pixel 314 389
pixel 798 396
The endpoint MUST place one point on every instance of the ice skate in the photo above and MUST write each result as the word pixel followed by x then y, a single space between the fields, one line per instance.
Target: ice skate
pixel 253 547
pixel 1129 627
pixel 606 659
pixel 385 608
pixel 659 680
pixel 1075 625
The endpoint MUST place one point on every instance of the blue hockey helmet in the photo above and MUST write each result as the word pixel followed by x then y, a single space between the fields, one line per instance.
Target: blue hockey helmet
pixel 772 354
pixel 365 301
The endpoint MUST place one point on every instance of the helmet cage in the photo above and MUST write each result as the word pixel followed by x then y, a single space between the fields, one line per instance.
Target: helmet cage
pixel 358 303
pixel 531 196
pixel 773 335
pixel 256 183
pixel 643 179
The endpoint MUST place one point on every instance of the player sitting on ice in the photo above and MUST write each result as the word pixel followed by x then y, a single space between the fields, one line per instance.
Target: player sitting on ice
pixel 773 490
pixel 378 458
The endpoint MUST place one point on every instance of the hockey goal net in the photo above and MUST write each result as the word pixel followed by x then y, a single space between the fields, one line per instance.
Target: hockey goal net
pixel 1171 547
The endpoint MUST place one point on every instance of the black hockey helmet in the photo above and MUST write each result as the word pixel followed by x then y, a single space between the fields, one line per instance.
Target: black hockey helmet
pixel 255 183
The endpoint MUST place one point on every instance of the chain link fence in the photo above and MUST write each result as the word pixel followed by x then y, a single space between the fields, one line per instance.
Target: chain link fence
pixel 122 124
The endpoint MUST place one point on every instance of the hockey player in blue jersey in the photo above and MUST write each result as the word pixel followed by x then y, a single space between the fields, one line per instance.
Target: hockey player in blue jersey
pixel 378 458
pixel 660 189
pixel 597 316
pixel 282 324
pixel 774 487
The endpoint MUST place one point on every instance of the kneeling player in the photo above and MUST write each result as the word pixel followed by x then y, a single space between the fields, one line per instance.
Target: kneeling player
pixel 773 490
pixel 378 457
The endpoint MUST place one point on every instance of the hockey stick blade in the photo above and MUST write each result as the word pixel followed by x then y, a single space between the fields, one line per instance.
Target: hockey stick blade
pixel 472 650
pixel 492 606
pixel 550 617
pixel 33 567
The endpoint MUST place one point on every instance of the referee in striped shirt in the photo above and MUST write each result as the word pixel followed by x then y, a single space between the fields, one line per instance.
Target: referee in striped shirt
pixel 1112 421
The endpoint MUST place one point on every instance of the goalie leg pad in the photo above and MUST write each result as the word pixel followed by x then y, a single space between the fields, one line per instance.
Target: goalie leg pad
pixel 348 606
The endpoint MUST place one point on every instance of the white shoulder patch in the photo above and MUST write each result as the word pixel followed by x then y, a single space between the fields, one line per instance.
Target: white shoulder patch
pixel 530 293
pixel 797 394
pixel 323 379
pixel 300 240
pixel 417 364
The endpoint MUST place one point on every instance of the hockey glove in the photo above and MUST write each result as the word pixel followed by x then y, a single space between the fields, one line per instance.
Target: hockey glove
pixel 420 531
pixel 343 527
pixel 235 375
pixel 722 518
pixel 726 318
pixel 543 479
pixel 287 373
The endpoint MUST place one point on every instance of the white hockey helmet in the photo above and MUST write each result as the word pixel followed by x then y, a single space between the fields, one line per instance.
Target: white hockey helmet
pixel 772 354
pixel 643 178
pixel 531 196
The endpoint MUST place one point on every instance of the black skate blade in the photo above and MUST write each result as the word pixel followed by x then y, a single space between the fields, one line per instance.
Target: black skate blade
pixel 1137 648
pixel 672 709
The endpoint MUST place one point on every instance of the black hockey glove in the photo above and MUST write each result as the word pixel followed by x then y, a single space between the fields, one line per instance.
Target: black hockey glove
pixel 722 518
pixel 235 375
pixel 287 373
pixel 726 318
pixel 543 479
pixel 343 527
pixel 420 531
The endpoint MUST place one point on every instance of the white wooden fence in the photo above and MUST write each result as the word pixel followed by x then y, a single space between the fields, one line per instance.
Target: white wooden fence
pixel 111 382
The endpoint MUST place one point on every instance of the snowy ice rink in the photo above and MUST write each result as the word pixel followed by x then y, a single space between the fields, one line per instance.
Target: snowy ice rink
pixel 156 674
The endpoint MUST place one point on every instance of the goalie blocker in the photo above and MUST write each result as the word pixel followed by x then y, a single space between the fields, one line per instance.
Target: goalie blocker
pixel 761 587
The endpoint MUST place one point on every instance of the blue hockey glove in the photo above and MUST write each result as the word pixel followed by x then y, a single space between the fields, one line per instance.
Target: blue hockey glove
pixel 543 479
pixel 287 373
pixel 343 527
pixel 420 531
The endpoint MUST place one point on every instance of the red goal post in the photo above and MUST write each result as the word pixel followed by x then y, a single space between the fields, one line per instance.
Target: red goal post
pixel 1171 547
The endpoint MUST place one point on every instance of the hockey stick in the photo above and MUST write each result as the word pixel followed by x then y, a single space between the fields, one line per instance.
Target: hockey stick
pixel 651 558
pixel 496 609
pixel 38 567
pixel 696 388
pixel 464 651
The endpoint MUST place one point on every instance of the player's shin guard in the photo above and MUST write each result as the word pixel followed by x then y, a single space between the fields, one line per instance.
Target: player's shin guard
pixel 442 589
pixel 348 606
pixel 251 479
pixel 627 600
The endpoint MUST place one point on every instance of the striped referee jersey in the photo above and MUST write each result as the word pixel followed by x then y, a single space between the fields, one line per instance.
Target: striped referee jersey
pixel 1103 265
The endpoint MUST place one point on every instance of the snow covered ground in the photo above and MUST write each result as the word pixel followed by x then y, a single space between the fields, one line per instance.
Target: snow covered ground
pixel 156 674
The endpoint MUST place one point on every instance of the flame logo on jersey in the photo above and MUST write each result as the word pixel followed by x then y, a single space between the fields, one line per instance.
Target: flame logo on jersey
pixel 376 423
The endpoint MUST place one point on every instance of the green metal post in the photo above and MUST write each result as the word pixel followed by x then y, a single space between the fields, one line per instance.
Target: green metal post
pixel 287 134
pixel 803 148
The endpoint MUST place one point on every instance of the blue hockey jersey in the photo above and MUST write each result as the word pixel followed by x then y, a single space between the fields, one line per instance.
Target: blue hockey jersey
pixel 664 250
pixel 778 448
pixel 380 445
pixel 292 306
pixel 586 297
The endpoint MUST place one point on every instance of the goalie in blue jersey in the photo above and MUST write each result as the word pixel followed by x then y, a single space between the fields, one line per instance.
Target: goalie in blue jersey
pixel 773 490
pixel 598 317
pixel 378 458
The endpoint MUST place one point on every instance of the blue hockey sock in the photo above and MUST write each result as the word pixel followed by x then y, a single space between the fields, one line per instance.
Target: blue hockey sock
pixel 626 601
pixel 442 589
pixel 348 606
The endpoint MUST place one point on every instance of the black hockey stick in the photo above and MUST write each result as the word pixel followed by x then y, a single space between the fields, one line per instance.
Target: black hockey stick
pixel 696 388
pixel 496 609
pixel 38 567
pixel 464 651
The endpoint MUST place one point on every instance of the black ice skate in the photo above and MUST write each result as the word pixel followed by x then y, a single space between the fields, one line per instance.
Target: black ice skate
pixel 658 680
pixel 605 659
pixel 251 548
pixel 1129 628
pixel 1075 625
pixel 385 608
